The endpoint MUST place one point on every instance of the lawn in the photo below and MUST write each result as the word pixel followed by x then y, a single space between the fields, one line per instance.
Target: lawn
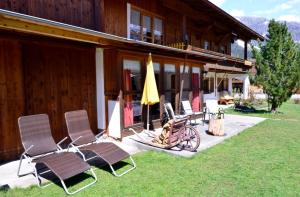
pixel 263 161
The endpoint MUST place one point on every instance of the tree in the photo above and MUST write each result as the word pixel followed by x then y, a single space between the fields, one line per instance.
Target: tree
pixel 298 48
pixel 277 64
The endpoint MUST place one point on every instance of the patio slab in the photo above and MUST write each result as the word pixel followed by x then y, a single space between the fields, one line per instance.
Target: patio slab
pixel 233 125
pixel 8 171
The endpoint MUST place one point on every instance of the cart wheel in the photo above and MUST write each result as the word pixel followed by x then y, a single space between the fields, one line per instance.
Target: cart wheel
pixel 194 141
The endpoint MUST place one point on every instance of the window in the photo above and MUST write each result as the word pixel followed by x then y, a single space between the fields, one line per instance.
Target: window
pixel 208 85
pixel 132 92
pixel 146 26
pixel 135 25
pixel 155 109
pixel 206 45
pixel 134 69
pixel 169 83
pixel 147 33
pixel 187 81
pixel 158 31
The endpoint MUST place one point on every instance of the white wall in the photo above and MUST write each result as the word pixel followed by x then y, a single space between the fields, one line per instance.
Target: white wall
pixel 100 89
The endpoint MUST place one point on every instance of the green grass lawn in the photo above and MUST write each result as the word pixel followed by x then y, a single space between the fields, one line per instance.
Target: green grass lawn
pixel 263 161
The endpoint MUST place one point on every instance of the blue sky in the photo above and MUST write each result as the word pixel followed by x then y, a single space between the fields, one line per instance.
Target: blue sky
pixel 284 10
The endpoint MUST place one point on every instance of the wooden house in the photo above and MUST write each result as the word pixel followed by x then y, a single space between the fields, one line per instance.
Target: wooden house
pixel 63 55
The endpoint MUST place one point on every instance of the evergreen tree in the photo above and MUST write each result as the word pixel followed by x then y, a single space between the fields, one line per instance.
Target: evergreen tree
pixel 278 64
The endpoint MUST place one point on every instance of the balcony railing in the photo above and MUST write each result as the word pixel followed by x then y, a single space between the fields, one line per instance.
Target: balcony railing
pixel 183 46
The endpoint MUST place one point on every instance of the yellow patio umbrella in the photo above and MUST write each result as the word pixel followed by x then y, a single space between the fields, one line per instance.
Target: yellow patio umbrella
pixel 150 93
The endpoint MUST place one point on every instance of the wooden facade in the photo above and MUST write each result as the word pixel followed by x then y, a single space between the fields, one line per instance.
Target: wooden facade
pixel 42 71
pixel 83 13
pixel 43 76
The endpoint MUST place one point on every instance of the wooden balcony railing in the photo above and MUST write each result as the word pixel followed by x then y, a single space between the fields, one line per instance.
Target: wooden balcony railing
pixel 178 45
pixel 184 46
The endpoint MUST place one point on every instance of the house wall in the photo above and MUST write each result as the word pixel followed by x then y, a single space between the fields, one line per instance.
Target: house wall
pixel 83 13
pixel 111 17
pixel 12 102
pixel 115 17
pixel 44 76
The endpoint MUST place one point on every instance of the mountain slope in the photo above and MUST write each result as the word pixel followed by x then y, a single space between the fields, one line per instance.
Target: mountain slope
pixel 260 25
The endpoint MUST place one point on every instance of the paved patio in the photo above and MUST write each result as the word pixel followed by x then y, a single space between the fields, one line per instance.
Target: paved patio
pixel 234 124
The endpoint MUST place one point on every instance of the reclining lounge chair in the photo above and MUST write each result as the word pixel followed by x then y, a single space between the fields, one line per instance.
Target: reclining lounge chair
pixel 212 108
pixel 40 148
pixel 84 141
pixel 186 106
pixel 170 112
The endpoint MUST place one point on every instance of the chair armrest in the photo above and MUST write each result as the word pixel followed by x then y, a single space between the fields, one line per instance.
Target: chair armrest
pixel 100 134
pixel 27 149
pixel 61 141
pixel 72 143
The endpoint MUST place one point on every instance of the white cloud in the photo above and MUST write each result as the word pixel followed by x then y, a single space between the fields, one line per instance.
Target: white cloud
pixel 286 6
pixel 237 13
pixel 289 18
pixel 217 2
pixel 289 4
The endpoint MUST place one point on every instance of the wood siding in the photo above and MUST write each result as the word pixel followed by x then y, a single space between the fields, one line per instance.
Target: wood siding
pixel 83 13
pixel 59 79
pixel 43 78
pixel 12 103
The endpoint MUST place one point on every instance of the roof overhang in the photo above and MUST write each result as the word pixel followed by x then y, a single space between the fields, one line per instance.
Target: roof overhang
pixel 208 8
pixel 223 69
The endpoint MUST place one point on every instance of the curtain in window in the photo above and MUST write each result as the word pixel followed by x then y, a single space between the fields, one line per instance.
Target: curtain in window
pixel 128 108
pixel 195 89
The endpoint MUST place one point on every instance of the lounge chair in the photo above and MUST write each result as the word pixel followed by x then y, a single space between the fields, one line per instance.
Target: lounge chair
pixel 170 112
pixel 84 141
pixel 187 109
pixel 40 148
pixel 212 108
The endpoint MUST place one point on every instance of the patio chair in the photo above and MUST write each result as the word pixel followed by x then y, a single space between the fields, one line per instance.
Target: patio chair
pixel 40 148
pixel 84 141
pixel 187 109
pixel 212 108
pixel 170 112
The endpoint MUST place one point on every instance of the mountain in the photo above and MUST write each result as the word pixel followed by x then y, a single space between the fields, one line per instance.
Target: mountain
pixel 260 25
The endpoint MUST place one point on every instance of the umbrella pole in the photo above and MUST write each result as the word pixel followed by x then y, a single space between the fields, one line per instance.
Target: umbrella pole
pixel 148 118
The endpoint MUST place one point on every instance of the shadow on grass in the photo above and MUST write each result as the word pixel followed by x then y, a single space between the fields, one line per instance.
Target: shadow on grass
pixel 255 111
pixel 53 179
pixel 4 188
pixel 99 163
pixel 74 183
